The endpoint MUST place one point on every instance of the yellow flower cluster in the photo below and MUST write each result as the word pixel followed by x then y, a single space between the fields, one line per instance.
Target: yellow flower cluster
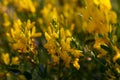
pixel 98 43
pixel 26 5
pixel 105 3
pixel 5 57
pixel 58 46
pixel 97 16
pixel 117 55
pixel 20 18
pixel 22 36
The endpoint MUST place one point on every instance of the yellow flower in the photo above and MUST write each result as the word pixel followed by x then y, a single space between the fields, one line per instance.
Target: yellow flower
pixel 49 13
pixel 76 53
pixel 58 46
pixel 6 20
pixel 76 64
pixel 67 11
pixel 65 39
pixel 97 45
pixel 25 5
pixel 117 55
pixel 15 60
pixel 66 58
pixel 104 3
pixel 99 41
pixel 112 17
pixel 6 58
pixel 6 2
pixel 51 46
pixel 99 21
pixel 46 10
pixel 22 36
pixel 55 59
pixel 91 23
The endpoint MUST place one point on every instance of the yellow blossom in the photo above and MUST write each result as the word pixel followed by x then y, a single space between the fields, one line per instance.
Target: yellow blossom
pixel 6 58
pixel 22 36
pixel 51 46
pixel 105 3
pixel 6 2
pixel 49 13
pixel 46 10
pixel 58 45
pixel 117 55
pixel 25 5
pixel 67 11
pixel 6 20
pixel 76 53
pixel 66 58
pixel 97 45
pixel 100 41
pixel 112 17
pixel 91 23
pixel 15 60
pixel 55 59
pixel 99 21
pixel 76 64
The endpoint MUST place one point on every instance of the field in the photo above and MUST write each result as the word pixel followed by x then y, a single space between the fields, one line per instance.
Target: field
pixel 59 40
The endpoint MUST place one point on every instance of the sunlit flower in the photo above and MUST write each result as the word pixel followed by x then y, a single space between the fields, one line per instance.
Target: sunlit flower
pixel 25 5
pixel 55 59
pixel 117 55
pixel 6 2
pixel 105 3
pixel 76 64
pixel 6 58
pixel 49 12
pixel 68 26
pixel 7 22
pixel 15 60
pixel 22 36
pixel 98 43
pixel 97 22
pixel 58 45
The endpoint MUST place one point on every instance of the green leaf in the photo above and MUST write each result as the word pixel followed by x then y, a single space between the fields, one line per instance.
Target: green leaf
pixel 105 48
